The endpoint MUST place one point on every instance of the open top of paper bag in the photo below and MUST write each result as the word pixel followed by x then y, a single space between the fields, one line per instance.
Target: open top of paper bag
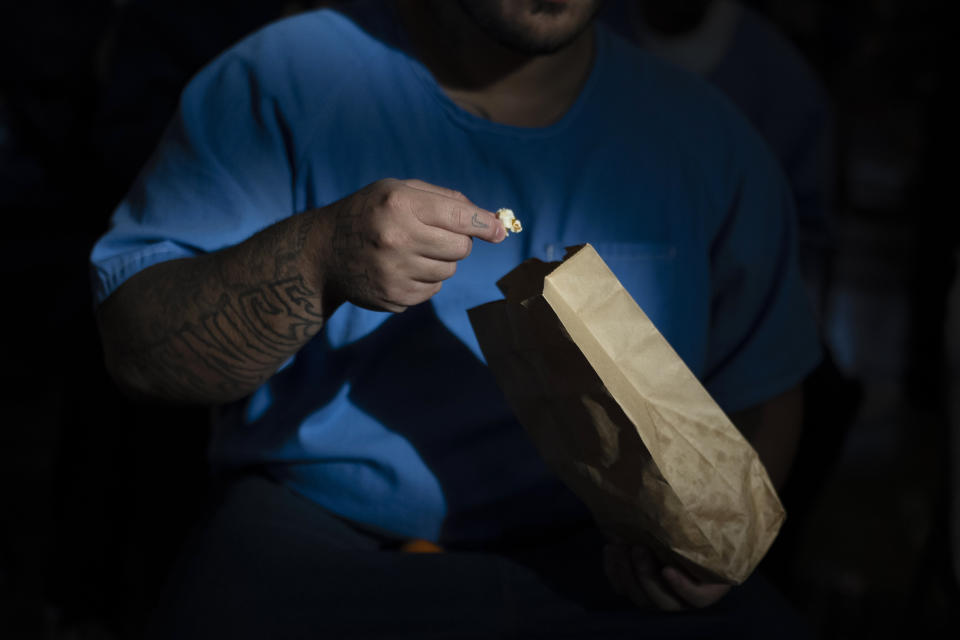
pixel 622 420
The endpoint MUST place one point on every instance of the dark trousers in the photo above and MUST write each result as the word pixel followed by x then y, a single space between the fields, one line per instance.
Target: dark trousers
pixel 267 563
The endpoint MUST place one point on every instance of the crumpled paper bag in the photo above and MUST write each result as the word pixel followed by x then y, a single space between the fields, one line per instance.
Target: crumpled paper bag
pixel 623 422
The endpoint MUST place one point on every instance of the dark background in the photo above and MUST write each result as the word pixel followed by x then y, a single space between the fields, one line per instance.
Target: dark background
pixel 96 493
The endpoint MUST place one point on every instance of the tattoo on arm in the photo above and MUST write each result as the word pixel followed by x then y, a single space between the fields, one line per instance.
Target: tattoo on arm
pixel 216 327
pixel 349 240
pixel 239 343
pixel 477 222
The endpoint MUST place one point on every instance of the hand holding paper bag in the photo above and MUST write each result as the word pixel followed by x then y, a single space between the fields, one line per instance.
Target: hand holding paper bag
pixel 623 422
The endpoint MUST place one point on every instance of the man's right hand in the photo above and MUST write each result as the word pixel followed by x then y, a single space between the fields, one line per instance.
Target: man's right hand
pixel 391 245
pixel 211 328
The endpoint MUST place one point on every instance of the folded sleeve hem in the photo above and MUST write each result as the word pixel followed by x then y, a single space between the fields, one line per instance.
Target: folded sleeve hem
pixel 765 388
pixel 109 274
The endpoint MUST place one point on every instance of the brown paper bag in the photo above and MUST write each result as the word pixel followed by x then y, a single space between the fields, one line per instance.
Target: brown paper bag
pixel 622 420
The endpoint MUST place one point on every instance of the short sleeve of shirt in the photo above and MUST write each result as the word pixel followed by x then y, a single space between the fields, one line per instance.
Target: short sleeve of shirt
pixel 219 174
pixel 763 337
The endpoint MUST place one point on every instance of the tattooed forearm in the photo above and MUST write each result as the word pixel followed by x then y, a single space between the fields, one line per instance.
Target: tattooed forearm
pixel 249 336
pixel 229 350
pixel 213 328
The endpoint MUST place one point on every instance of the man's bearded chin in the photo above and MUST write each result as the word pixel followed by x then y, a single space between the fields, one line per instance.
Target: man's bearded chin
pixel 534 27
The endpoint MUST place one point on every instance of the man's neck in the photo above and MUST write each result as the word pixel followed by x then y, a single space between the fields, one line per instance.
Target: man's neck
pixel 489 79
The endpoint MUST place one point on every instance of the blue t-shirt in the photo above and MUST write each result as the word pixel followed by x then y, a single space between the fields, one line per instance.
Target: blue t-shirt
pixel 393 420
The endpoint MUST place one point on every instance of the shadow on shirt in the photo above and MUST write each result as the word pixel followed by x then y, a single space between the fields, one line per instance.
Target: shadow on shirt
pixel 420 381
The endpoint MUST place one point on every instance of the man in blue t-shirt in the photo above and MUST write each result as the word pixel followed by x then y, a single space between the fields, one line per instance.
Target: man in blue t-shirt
pixel 301 250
